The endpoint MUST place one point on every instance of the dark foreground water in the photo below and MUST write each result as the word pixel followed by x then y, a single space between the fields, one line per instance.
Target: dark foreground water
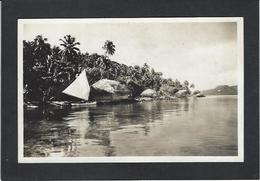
pixel 191 127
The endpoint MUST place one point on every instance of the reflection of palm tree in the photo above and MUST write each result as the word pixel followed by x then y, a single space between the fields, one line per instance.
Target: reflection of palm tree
pixel 146 129
pixel 55 136
pixel 95 132
pixel 186 105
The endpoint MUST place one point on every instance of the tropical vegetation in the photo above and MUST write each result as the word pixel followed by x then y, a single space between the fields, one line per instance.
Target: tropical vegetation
pixel 49 69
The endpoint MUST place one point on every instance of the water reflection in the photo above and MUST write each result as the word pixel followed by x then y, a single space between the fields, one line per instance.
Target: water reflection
pixel 180 127
pixel 98 133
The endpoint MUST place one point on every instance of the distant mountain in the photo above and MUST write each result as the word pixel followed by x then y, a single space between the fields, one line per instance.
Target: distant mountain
pixel 221 90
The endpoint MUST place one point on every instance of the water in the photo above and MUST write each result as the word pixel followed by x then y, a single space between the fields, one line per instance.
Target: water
pixel 186 127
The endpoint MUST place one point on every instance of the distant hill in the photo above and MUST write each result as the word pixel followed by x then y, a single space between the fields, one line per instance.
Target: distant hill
pixel 221 90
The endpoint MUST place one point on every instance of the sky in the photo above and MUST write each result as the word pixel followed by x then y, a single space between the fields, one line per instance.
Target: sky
pixel 203 53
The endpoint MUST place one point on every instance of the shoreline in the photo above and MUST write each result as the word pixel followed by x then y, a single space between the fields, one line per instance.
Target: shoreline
pixel 67 104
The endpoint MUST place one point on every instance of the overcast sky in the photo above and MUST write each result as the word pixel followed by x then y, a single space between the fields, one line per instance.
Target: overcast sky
pixel 202 53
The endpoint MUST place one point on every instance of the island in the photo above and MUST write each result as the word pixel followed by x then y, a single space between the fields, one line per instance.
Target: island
pixel 49 70
pixel 221 90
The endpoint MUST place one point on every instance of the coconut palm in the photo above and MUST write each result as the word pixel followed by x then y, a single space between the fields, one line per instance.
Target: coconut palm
pixel 186 83
pixel 55 53
pixel 41 49
pixel 109 47
pixel 177 84
pixel 69 48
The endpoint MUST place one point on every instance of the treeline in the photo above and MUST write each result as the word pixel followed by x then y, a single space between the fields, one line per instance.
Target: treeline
pixel 49 69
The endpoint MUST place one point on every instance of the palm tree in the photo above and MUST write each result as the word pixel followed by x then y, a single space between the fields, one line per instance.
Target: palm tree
pixel 186 86
pixel 177 84
pixel 69 48
pixel 145 69
pixel 109 47
pixel 56 53
pixel 42 49
pixel 185 83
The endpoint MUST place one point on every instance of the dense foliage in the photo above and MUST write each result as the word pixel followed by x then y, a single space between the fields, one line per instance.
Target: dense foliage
pixel 48 70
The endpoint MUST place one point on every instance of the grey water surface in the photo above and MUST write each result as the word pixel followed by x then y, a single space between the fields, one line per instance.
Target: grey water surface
pixel 184 127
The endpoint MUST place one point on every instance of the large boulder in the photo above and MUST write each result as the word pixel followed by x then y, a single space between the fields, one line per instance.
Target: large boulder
pixel 195 92
pixel 110 86
pixel 200 95
pixel 181 93
pixel 149 93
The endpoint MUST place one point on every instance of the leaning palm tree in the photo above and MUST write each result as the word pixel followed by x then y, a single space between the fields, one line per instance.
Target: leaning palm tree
pixel 109 47
pixel 69 48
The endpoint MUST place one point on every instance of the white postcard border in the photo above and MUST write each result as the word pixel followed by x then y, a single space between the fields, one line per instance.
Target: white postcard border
pixel 139 159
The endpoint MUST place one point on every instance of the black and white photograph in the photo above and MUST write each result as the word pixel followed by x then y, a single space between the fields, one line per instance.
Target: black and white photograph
pixel 130 90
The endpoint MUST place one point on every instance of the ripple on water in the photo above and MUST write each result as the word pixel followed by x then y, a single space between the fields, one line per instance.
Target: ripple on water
pixel 201 127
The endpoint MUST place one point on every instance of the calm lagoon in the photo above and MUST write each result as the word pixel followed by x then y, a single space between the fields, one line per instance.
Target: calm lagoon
pixel 184 127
